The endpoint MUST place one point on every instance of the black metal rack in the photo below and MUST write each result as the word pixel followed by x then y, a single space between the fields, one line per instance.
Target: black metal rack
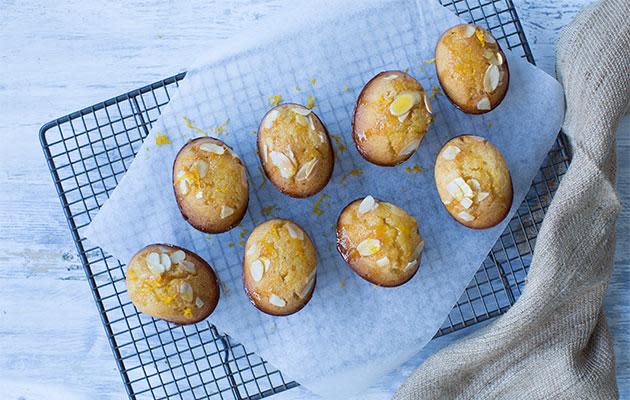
pixel 88 152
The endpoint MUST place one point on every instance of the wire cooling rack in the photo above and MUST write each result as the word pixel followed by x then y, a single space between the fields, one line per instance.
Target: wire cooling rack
pixel 89 151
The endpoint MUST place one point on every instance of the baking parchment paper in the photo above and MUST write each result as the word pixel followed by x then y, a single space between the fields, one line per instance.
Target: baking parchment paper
pixel 351 332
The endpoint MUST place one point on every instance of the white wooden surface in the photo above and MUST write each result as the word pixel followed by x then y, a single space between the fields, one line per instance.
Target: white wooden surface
pixel 56 57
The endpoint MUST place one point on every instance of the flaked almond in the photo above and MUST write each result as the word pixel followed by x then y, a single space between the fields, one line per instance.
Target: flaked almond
pixel 226 211
pixel 290 154
pixel 181 173
pixel 277 300
pixel 453 189
pixel 294 231
pixel 484 104
pixel 202 167
pixel 165 260
pixel 474 183
pixel 410 148
pixel 481 196
pixel 301 111
pixel 306 170
pixel 367 204
pixel 458 188
pixel 418 250
pixel 404 102
pixel 381 262
pixel 212 148
pixel 199 195
pixel 311 121
pixel 469 31
pixel 283 163
pixel 257 270
pixel 188 266
pixel 154 263
pixel 183 186
pixel 199 303
pixel 499 59
pixel 369 247
pixel 464 187
pixel 427 103
pixel 322 138
pixel 266 147
pixel 390 77
pixel 466 202
pixel 450 152
pixel 299 118
pixel 266 263
pixel 310 281
pixel 186 292
pixel 489 38
pixel 270 118
pixel 465 216
pixel 402 118
pixel 411 264
pixel 491 78
pixel 251 250
pixel 178 256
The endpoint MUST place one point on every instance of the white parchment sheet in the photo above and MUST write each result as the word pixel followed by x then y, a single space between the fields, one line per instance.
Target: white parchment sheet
pixel 351 332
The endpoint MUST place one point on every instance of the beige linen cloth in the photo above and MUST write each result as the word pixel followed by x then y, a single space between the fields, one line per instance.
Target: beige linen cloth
pixel 554 342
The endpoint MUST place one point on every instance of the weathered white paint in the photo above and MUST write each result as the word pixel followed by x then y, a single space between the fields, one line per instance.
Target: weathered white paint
pixel 56 57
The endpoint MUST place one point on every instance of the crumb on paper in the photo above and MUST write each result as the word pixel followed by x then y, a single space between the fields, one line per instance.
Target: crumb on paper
pixel 231 244
pixel 310 101
pixel 297 89
pixel 266 211
pixel 354 172
pixel 345 88
pixel 313 82
pixel 209 238
pixel 272 327
pixel 429 61
pixel 243 232
pixel 241 243
pixel 489 124
pixel 340 146
pixel 191 125
pixel 226 289
pixel 161 138
pixel 435 91
pixel 275 100
pixel 317 207
pixel 416 169
pixel 342 283
pixel 254 132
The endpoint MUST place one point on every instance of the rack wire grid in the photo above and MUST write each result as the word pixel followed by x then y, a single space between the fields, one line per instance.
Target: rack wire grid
pixel 89 151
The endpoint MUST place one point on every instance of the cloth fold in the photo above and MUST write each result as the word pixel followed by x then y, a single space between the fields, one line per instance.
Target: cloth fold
pixel 554 342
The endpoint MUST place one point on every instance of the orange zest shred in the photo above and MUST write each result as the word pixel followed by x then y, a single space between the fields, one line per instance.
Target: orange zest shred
pixel 481 36
pixel 435 91
pixel 416 169
pixel 340 146
pixel 191 125
pixel 275 100
pixel 354 172
pixel 310 101
pixel 317 210
pixel 266 211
